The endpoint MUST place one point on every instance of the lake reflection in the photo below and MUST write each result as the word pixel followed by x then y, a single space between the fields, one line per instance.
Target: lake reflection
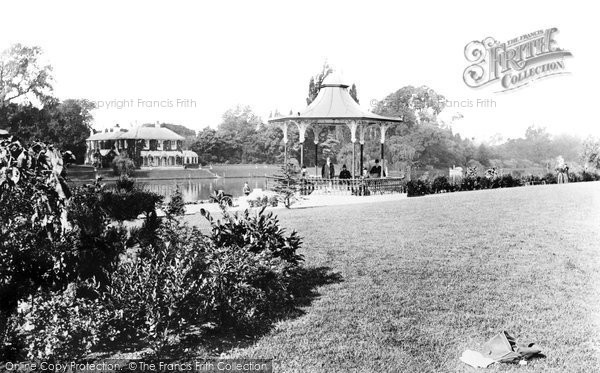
pixel 198 189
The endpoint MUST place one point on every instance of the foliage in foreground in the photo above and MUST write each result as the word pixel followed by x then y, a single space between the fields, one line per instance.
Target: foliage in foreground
pixel 75 280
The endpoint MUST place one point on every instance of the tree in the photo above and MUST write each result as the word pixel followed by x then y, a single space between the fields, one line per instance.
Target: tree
pixel 483 155
pixel 189 134
pixel 23 76
pixel 287 184
pixel 71 122
pixel 314 86
pixel 591 152
pixel 353 93
pixel 65 124
pixel 415 105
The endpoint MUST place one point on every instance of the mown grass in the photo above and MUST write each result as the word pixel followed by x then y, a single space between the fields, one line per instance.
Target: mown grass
pixel 426 278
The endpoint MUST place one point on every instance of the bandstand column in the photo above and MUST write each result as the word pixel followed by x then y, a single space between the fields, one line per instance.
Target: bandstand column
pixel 361 133
pixel 383 128
pixel 316 156
pixel 284 128
pixel 302 126
pixel 352 125
pixel 316 131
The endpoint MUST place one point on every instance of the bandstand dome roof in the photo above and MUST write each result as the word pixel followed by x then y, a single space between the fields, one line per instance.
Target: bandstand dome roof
pixel 334 104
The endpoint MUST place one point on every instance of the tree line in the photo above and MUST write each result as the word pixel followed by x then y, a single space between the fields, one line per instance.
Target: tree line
pixel 30 112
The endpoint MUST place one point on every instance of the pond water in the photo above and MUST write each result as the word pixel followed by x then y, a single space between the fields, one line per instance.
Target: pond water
pixel 201 189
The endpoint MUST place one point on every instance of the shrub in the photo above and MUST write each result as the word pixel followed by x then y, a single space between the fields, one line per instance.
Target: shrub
pixel 127 201
pixel 123 166
pixel 507 181
pixel 418 188
pixel 260 259
pixel 469 183
pixel 176 205
pixel 549 178
pixel 60 325
pixel 588 176
pixel 155 296
pixel 441 184
pixel 93 244
pixel 287 185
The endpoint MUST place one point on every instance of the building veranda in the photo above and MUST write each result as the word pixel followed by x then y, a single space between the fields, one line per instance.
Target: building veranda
pixel 147 146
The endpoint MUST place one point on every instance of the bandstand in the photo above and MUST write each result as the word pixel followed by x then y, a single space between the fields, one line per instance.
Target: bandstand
pixel 334 106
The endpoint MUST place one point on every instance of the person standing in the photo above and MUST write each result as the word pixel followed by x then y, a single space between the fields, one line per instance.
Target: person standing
pixel 246 189
pixel 345 174
pixel 328 171
pixel 375 170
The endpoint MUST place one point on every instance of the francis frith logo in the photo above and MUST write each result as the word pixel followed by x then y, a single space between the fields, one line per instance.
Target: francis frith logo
pixel 514 63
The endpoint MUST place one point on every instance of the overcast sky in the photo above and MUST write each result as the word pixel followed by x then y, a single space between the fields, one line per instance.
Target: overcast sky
pixel 263 54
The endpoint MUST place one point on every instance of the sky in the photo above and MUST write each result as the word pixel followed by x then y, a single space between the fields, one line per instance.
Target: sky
pixel 200 59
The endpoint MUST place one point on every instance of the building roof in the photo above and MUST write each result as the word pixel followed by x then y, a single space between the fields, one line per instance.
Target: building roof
pixel 189 153
pixel 138 133
pixel 333 104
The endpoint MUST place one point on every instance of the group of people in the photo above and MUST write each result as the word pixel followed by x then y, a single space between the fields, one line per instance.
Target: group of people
pixel 328 171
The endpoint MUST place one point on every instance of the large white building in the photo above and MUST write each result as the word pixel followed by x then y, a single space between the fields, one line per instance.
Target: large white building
pixel 147 146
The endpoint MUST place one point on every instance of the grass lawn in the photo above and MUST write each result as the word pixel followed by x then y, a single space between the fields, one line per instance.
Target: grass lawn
pixel 423 279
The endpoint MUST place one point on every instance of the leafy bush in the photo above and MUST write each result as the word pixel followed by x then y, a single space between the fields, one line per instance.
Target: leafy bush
pixel 251 262
pixel 61 325
pixel 257 231
pixel 154 297
pixel 418 188
pixel 288 184
pixel 470 183
pixel 549 178
pixel 123 166
pixel 507 181
pixel 441 184
pixel 263 201
pixel 237 275
pixel 588 176
pixel 176 205
pixel 127 201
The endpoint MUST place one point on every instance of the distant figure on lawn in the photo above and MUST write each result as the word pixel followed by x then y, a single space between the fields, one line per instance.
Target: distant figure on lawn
pixel 246 189
pixel 375 170
pixel 328 171
pixel 345 174
pixel 562 174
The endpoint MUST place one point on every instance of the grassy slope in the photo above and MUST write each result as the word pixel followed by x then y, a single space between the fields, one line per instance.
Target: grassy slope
pixel 444 273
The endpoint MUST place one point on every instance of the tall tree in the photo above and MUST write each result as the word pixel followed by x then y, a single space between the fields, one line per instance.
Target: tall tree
pixel 354 93
pixel 314 86
pixel 416 105
pixel 591 152
pixel 23 75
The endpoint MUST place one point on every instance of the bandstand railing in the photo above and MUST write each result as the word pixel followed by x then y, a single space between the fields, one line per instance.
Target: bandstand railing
pixel 358 186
